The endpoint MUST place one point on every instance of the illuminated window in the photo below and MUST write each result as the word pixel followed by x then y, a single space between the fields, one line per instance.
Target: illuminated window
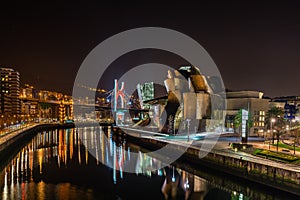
pixel 261 112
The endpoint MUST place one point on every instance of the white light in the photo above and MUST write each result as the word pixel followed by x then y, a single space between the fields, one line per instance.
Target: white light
pixel 159 173
pixel 173 179
pixel 186 185
pixel 241 197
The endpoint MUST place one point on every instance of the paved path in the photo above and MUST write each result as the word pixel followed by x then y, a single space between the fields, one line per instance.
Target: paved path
pixel 14 133
pixel 220 147
pixel 274 148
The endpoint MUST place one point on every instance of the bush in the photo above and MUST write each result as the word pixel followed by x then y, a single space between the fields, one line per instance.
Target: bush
pixel 276 155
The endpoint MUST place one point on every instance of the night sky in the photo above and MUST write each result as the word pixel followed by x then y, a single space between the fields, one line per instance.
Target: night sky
pixel 255 45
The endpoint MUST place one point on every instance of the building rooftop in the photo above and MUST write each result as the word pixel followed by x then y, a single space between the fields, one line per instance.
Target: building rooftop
pixel 244 94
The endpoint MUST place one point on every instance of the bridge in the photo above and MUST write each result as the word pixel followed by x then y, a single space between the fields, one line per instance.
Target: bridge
pixel 46 108
pixel 113 106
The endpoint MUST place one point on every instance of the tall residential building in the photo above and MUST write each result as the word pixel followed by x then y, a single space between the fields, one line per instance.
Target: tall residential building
pixel 9 92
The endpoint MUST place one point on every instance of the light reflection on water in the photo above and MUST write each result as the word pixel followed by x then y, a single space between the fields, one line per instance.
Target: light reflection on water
pixel 59 164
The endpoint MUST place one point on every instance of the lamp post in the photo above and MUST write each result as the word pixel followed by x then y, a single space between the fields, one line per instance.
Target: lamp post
pixel 296 134
pixel 295 140
pixel 293 120
pixel 188 127
pixel 174 131
pixel 272 133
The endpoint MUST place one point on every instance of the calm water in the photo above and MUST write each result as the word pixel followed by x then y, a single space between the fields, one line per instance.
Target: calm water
pixel 67 164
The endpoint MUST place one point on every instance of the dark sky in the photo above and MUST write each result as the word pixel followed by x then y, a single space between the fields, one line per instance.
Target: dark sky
pixel 255 45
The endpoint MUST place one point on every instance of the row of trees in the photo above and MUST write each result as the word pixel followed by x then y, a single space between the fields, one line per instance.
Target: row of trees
pixel 274 121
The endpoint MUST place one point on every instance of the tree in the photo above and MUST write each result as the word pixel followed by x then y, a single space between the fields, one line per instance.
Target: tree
pixel 237 121
pixel 275 114
pixel 280 128
pixel 296 136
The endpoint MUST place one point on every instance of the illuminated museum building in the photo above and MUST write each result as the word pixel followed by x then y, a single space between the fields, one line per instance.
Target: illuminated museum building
pixel 188 102
pixel 190 96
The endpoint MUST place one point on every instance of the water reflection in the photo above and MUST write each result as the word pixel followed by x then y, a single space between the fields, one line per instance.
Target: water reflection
pixel 68 164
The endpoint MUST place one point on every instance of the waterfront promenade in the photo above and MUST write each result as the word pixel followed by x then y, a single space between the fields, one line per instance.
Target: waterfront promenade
pixel 221 148
pixel 16 132
pixel 223 158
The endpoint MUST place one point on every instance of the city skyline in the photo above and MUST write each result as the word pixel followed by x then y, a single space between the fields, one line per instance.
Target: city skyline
pixel 135 100
pixel 253 45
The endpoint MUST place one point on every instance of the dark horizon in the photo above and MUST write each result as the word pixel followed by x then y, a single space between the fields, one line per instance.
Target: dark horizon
pixel 255 45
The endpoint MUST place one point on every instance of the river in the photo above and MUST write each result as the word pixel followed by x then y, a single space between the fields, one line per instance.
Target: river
pixel 73 164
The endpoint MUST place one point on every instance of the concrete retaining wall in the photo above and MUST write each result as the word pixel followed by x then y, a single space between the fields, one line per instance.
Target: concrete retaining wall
pixel 282 179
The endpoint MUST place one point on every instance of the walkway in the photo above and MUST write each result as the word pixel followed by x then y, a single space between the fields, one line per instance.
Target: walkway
pixel 14 133
pixel 220 148
pixel 274 148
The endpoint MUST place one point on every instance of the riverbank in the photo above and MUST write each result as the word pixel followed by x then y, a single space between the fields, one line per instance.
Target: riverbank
pixel 9 142
pixel 17 137
pixel 280 176
pixel 258 170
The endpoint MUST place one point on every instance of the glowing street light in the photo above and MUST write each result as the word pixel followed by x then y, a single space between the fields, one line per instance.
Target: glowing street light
pixel 173 177
pixel 293 120
pixel 272 121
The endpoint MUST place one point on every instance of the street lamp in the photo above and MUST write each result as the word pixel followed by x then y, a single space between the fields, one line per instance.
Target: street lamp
pixel 188 127
pixel 295 134
pixel 295 140
pixel 293 120
pixel 272 121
